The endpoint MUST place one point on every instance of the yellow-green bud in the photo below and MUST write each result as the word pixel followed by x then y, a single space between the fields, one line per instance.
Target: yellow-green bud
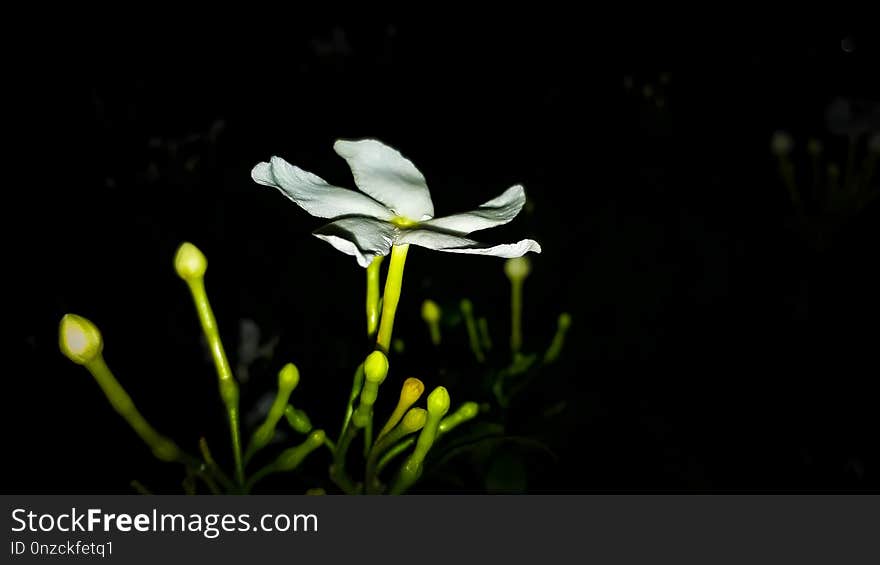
pixel 414 420
pixel 316 438
pixel 469 410
pixel 411 390
pixel 288 377
pixel 430 311
pixel 517 268
pixel 317 491
pixel 467 307
pixel 290 458
pixel 298 419
pixel 189 262
pixel 438 401
pixel 376 367
pixel 465 412
pixel 79 339
pixel 564 321
pixel 781 143
pixel 814 147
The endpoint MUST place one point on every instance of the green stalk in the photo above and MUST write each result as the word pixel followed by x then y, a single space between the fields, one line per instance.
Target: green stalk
pixel 393 287
pixel 373 273
pixel 228 386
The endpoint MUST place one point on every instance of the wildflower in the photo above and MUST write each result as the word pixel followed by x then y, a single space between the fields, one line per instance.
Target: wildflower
pixel 393 209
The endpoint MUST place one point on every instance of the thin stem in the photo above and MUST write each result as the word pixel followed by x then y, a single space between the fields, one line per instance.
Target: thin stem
pixel 356 385
pixel 393 286
pixel 236 445
pixel 162 447
pixel 337 470
pixel 211 466
pixel 373 272
pixel 393 452
pixel 485 338
pixel 516 315
pixel 467 310
pixel 228 385
pixel 368 436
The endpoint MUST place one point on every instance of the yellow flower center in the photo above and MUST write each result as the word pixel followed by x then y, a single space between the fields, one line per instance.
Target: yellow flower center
pixel 403 222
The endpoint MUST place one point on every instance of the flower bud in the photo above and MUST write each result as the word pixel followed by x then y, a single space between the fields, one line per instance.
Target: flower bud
pixel 781 143
pixel 288 377
pixel 376 367
pixel 189 262
pixel 564 321
pixel 414 420
pixel 79 339
pixel 517 268
pixel 430 311
pixel 438 401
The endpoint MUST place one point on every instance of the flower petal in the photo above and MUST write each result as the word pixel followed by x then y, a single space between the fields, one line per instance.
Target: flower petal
pixel 453 243
pixel 389 177
pixel 314 194
pixel 495 212
pixel 362 237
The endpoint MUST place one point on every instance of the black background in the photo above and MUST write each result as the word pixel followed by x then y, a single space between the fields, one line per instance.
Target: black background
pixel 713 346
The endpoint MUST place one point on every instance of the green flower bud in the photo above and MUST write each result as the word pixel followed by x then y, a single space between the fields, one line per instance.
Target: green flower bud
pixel 376 367
pixel 517 268
pixel 79 339
pixel 465 412
pixel 430 311
pixel 467 307
pixel 414 420
pixel 781 143
pixel 438 401
pixel 189 262
pixel 564 321
pixel 298 420
pixel 288 377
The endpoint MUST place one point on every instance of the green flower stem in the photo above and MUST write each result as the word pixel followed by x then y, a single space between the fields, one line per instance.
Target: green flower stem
pixel 413 421
pixel 288 379
pixel 337 470
pixel 163 448
pixel 368 435
pixel 212 468
pixel 374 370
pixel 411 470
pixel 289 459
pixel 191 264
pixel 516 269
pixel 485 338
pixel 373 272
pixel 467 309
pixel 516 301
pixel 559 339
pixel 392 453
pixel 356 385
pixel 391 297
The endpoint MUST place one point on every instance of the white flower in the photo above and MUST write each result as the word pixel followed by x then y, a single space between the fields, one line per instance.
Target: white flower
pixel 395 207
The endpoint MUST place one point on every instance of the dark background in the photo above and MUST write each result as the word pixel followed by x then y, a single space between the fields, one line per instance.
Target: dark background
pixel 714 346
